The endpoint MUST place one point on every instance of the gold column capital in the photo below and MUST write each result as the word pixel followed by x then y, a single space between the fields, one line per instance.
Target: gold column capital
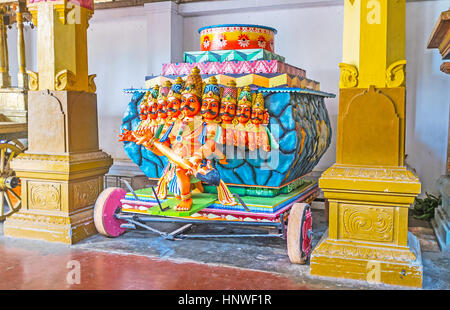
pixel 62 44
pixel 374 40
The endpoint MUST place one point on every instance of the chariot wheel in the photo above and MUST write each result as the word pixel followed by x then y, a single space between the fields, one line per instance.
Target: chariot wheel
pixel 107 204
pixel 299 233
pixel 10 200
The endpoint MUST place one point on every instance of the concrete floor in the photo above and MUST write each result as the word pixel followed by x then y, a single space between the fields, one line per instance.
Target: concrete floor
pixel 142 260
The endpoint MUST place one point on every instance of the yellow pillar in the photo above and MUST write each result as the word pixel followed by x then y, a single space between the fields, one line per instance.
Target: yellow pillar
pixel 369 188
pixel 62 170
pixel 5 78
pixel 22 74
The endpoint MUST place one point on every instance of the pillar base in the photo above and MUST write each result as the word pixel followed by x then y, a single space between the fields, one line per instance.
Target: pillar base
pixel 64 228
pixel 368 236
pixel 58 196
pixel 359 261
pixel 441 226
pixel 441 221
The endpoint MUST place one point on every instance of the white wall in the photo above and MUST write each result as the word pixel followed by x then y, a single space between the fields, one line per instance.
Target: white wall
pixel 309 36
pixel 428 95
pixel 118 54
pixel 30 56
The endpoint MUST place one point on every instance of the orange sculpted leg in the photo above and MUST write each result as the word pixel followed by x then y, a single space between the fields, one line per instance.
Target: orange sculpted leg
pixel 184 182
pixel 199 187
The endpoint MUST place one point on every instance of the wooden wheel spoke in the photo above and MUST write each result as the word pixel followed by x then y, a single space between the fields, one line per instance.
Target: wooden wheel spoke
pixel 11 155
pixel 2 159
pixel 2 202
pixel 19 145
pixel 8 161
pixel 16 206
pixel 14 194
pixel 8 201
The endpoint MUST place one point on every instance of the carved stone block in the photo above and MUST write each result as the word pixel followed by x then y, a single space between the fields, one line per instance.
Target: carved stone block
pixel 367 223
pixel 62 122
pixel 44 196
pixel 371 127
pixel 85 193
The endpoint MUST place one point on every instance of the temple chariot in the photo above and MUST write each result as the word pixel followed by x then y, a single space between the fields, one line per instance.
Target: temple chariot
pixel 230 135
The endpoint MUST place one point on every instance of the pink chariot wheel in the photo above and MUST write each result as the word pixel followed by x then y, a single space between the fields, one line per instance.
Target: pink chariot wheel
pixel 107 204
pixel 299 233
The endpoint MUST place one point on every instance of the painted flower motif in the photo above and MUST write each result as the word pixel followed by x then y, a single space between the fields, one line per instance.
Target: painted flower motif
pixel 243 40
pixel 262 42
pixel 206 42
pixel 221 40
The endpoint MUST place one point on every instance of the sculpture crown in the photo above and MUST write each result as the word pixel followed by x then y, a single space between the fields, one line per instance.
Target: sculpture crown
pixel 212 89
pixel 154 92
pixel 259 102
pixel 245 97
pixel 194 83
pixel 164 90
pixel 230 92
pixel 176 88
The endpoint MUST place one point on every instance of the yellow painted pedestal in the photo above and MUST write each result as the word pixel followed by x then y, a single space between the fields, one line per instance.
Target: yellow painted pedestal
pixel 62 171
pixel 368 235
pixel 369 192
pixel 59 192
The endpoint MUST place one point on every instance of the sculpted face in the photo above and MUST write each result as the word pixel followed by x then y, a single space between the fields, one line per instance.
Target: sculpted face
pixel 190 104
pixel 228 111
pixel 210 108
pixel 162 109
pixel 143 111
pixel 153 110
pixel 173 107
pixel 257 116
pixel 243 113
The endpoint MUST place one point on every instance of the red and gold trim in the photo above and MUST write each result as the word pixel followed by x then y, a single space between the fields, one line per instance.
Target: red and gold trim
pixel 231 37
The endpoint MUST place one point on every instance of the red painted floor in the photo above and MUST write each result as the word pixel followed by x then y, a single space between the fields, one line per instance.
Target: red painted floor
pixel 27 269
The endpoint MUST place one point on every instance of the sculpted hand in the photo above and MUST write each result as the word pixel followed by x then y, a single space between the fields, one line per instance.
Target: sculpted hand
pixel 148 143
pixel 195 161
pixel 141 140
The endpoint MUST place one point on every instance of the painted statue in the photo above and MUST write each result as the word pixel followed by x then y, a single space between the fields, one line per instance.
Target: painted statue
pixel 210 129
pixel 148 116
pixel 257 132
pixel 190 122
pixel 129 135
pixel 243 115
pixel 183 143
pixel 152 121
pixel 227 114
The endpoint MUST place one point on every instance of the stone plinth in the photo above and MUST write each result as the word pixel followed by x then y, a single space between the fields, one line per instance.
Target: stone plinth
pixel 62 171
pixel 368 235
pixel 441 221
